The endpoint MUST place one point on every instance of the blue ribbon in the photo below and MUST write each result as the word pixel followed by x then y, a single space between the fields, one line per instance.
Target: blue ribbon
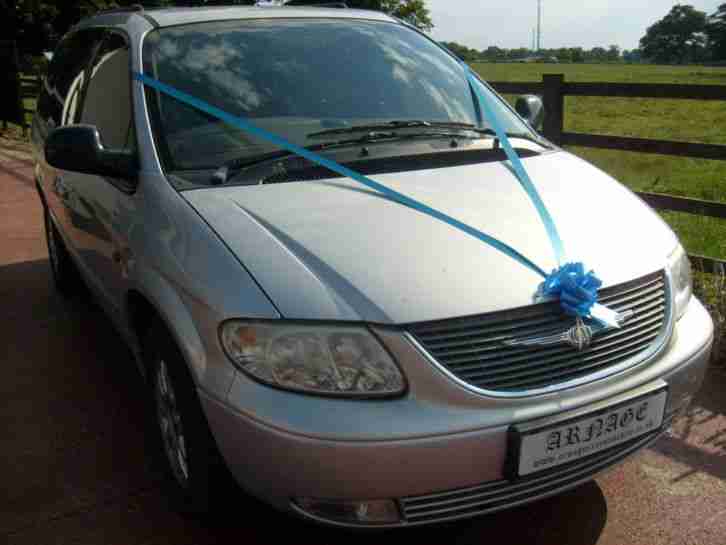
pixel 519 170
pixel 246 126
pixel 569 282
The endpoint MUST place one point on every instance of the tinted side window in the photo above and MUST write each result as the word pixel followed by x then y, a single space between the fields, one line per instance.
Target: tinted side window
pixel 58 102
pixel 107 102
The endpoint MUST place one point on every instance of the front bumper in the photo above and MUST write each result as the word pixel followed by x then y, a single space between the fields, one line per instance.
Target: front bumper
pixel 437 444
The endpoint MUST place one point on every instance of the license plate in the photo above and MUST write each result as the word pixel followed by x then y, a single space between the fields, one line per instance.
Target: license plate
pixel 544 448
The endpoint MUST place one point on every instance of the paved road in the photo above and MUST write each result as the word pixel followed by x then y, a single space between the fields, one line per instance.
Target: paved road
pixel 77 466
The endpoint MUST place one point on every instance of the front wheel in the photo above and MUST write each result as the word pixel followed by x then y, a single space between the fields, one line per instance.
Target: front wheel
pixel 65 275
pixel 196 470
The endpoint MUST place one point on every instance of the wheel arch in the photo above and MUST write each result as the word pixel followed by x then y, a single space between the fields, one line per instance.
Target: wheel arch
pixel 41 195
pixel 156 301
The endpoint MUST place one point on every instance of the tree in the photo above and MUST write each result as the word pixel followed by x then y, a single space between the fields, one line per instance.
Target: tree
pixel 493 53
pixel 414 12
pixel 37 24
pixel 461 51
pixel 633 56
pixel 613 53
pixel 563 54
pixel 677 38
pixel 597 54
pixel 716 31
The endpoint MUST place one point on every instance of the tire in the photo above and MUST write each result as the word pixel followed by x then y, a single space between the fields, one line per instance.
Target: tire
pixel 196 474
pixel 66 277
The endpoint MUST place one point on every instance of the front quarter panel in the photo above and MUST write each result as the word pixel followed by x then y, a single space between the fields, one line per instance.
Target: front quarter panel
pixel 181 266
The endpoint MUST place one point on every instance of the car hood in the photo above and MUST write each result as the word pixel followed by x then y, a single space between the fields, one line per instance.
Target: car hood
pixel 335 250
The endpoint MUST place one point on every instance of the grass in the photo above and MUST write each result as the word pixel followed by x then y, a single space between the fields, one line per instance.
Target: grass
pixel 711 290
pixel 683 120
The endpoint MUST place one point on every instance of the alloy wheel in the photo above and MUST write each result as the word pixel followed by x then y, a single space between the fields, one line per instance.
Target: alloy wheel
pixel 52 244
pixel 170 423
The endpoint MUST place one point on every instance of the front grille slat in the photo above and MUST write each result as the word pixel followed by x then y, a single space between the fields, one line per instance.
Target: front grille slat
pixel 548 320
pixel 450 347
pixel 504 354
pixel 475 348
pixel 553 364
pixel 531 313
pixel 568 371
pixel 509 356
pixel 635 298
pixel 490 497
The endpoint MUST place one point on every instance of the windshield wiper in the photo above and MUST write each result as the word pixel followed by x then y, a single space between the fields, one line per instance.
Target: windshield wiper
pixel 443 130
pixel 522 136
pixel 403 124
pixel 228 169
pixel 453 126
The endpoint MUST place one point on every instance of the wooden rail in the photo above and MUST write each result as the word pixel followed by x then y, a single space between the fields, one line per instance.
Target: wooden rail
pixel 716 152
pixel 29 88
pixel 553 89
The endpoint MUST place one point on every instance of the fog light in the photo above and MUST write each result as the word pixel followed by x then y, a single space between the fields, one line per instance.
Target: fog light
pixel 352 512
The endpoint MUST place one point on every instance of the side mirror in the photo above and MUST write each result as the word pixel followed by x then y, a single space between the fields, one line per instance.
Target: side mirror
pixel 79 148
pixel 530 107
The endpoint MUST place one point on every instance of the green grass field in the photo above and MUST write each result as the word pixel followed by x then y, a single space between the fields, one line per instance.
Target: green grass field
pixel 684 120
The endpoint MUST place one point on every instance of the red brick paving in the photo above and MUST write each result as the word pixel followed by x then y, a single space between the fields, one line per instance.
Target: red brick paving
pixel 78 467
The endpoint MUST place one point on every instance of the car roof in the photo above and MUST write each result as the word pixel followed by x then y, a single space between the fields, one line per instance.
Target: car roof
pixel 178 16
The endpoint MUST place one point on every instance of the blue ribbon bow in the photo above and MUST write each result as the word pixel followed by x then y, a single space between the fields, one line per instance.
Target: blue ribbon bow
pixel 576 290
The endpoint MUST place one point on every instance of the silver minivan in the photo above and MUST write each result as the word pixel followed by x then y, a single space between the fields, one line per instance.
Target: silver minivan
pixel 313 229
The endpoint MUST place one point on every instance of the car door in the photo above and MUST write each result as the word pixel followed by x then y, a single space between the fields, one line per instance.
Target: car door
pixel 58 105
pixel 99 206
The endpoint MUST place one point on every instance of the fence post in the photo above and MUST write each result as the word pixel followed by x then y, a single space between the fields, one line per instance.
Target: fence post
pixel 11 109
pixel 554 104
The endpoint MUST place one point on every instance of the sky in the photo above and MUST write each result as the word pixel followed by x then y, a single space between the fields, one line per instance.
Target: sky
pixel 583 23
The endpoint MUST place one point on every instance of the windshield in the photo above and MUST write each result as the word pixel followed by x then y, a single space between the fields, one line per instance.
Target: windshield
pixel 296 78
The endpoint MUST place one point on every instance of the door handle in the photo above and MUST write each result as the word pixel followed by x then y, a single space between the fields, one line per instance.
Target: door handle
pixel 60 188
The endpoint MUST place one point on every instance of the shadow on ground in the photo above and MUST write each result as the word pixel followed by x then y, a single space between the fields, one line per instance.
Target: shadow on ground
pixel 698 440
pixel 573 518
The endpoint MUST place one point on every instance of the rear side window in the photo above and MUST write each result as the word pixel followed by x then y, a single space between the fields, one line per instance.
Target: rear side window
pixel 59 100
pixel 107 101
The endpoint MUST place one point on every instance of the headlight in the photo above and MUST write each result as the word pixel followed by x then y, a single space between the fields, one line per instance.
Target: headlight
pixel 343 361
pixel 680 269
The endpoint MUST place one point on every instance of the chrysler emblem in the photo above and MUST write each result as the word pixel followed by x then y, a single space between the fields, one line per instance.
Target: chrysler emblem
pixel 579 336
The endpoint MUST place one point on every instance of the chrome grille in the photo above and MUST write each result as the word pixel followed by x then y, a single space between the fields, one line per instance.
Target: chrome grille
pixel 498 495
pixel 474 349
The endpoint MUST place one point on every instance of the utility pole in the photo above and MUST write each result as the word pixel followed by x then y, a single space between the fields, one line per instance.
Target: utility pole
pixel 539 25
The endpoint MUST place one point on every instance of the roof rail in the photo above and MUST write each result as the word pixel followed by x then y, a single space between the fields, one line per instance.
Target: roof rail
pixel 312 3
pixel 122 9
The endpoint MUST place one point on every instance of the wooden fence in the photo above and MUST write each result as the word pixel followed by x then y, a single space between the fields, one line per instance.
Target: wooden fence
pixel 553 89
pixel 29 88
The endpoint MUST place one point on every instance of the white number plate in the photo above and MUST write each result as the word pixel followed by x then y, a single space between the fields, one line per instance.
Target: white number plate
pixel 562 443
